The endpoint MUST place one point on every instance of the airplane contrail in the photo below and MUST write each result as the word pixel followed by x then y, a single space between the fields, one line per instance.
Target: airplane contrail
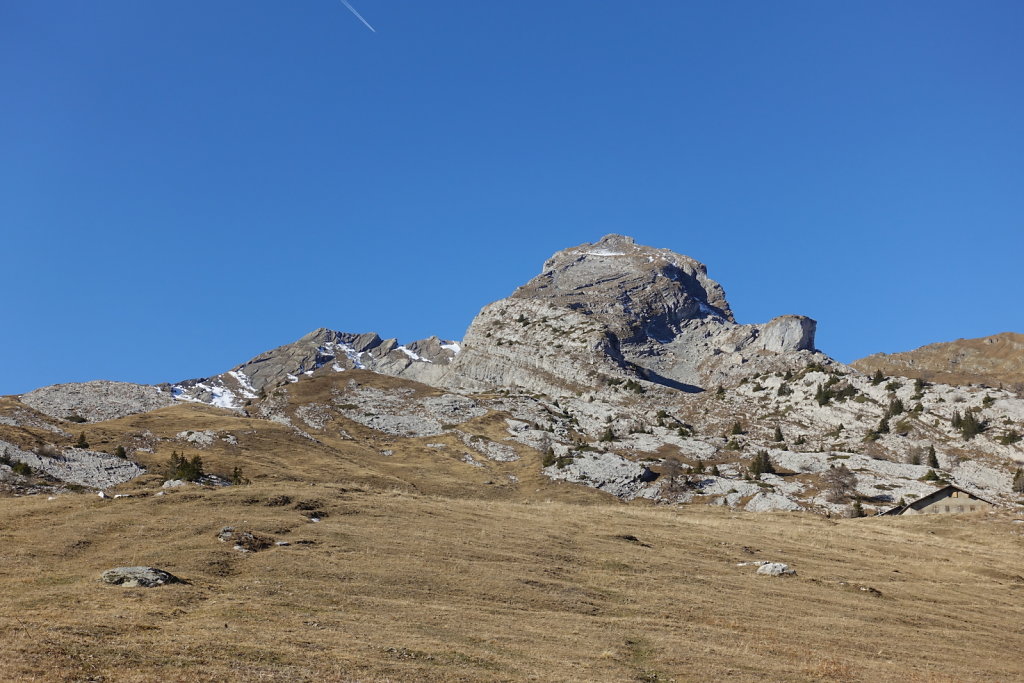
pixel 358 15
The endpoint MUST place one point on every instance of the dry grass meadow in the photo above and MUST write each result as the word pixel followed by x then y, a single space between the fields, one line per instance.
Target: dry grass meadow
pixel 394 585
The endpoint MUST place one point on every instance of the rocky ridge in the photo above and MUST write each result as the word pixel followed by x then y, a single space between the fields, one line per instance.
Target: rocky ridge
pixel 996 360
pixel 620 368
pixel 321 351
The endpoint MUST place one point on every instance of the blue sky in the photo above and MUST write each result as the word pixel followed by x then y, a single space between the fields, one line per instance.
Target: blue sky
pixel 185 184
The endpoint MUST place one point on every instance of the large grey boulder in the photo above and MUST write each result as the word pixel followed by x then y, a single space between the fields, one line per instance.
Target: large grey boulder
pixel 776 569
pixel 138 577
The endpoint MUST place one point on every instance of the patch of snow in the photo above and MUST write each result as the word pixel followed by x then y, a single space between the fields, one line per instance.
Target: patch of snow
pixel 352 355
pixel 337 368
pixel 223 397
pixel 178 393
pixel 248 391
pixel 454 347
pixel 413 355
pixel 292 378
pixel 603 252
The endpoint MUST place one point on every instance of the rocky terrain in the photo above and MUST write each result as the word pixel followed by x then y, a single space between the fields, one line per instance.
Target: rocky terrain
pixel 620 368
pixel 615 310
pixel 996 361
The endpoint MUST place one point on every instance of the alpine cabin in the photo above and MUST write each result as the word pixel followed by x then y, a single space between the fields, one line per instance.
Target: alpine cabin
pixel 949 500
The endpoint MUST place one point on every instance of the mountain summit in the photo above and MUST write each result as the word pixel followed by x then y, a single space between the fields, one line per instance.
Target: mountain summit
pixel 614 310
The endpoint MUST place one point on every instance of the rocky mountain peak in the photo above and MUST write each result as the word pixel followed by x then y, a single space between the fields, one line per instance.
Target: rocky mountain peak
pixel 633 286
pixel 613 310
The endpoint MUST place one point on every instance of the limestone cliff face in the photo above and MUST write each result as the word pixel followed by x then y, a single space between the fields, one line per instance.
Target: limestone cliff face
pixel 614 310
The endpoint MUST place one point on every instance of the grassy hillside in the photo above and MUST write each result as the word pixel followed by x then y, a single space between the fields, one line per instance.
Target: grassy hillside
pixel 395 585
pixel 995 360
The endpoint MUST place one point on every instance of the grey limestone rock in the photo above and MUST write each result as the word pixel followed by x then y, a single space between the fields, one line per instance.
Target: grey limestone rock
pixel 77 466
pixel 612 311
pixel 776 569
pixel 96 401
pixel 138 577
pixel 319 352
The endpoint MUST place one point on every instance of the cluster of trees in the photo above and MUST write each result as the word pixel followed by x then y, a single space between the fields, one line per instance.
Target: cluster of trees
pixel 180 467
pixel 761 464
pixel 968 424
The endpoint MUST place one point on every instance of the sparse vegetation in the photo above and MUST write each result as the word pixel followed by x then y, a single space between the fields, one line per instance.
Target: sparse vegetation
pixel 840 483
pixel 82 442
pixel 180 467
pixel 761 464
pixel 1009 437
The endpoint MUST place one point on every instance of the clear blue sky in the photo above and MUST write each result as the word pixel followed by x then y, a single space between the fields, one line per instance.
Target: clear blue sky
pixel 185 184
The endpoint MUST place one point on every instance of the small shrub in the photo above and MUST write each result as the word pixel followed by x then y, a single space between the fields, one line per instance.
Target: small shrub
pixel 120 452
pixel 1009 438
pixel 878 378
pixel 81 443
pixel 22 469
pixel 971 426
pixel 236 477
pixel 895 408
pixel 634 386
pixel 549 458
pixel 1018 481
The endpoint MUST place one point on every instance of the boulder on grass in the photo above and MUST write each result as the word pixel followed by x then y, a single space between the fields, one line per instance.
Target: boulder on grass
pixel 138 577
pixel 776 569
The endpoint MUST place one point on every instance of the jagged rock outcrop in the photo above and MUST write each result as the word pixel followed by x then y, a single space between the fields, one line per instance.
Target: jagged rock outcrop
pixel 615 310
pixel 321 351
pixel 994 360
pixel 76 466
pixel 96 401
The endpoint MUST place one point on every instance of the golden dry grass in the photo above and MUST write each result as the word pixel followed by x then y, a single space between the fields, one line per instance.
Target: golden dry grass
pixel 394 585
